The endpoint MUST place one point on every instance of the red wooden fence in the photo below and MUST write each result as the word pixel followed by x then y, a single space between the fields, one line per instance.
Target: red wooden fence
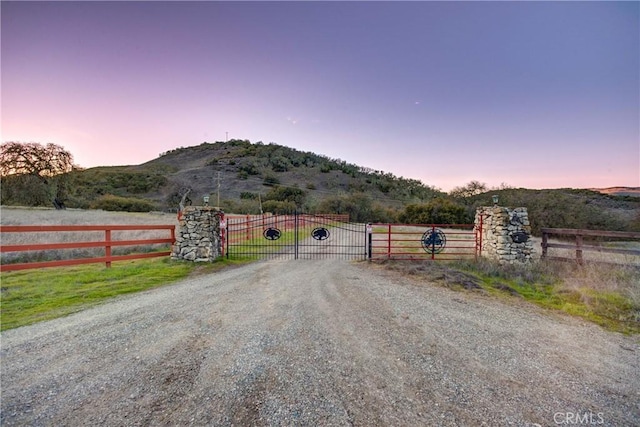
pixel 107 244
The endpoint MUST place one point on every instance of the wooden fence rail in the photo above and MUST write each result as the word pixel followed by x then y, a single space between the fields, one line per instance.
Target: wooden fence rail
pixel 579 244
pixel 107 244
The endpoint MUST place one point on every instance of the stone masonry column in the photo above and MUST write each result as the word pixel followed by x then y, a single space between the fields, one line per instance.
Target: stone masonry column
pixel 505 234
pixel 198 237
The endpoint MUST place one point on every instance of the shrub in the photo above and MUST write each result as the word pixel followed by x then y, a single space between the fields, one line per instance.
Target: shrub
pixel 359 206
pixel 280 164
pixel 270 180
pixel 110 202
pixel 248 195
pixel 279 207
pixel 250 168
pixel 437 211
pixel 287 194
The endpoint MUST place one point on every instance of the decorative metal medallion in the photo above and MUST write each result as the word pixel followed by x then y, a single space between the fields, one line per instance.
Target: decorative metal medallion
pixel 271 233
pixel 519 237
pixel 320 233
pixel 434 241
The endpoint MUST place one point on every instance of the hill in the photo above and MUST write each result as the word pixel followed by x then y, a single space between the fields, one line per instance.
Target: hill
pixel 246 176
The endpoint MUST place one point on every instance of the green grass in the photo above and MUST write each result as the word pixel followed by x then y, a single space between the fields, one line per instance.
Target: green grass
pixel 578 291
pixel 606 296
pixel 35 295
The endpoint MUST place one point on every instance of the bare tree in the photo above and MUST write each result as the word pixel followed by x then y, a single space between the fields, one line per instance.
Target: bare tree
pixel 46 164
pixel 473 188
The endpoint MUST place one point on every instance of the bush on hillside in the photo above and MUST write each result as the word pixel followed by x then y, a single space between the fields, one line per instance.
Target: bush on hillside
pixel 359 207
pixel 279 207
pixel 437 211
pixel 110 202
pixel 287 194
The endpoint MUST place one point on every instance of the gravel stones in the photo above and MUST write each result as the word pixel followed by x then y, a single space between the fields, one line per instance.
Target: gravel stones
pixel 315 342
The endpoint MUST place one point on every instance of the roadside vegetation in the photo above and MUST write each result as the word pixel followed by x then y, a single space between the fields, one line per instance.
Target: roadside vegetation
pixel 609 297
pixel 35 295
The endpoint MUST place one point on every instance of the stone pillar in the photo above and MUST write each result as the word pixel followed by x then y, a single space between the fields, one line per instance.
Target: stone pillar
pixel 198 237
pixel 506 234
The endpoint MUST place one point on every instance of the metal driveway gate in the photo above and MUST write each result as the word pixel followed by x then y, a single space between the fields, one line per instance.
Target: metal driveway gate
pixel 426 241
pixel 297 236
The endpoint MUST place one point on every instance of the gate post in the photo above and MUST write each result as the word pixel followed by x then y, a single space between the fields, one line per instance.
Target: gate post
pixel 504 234
pixel 200 236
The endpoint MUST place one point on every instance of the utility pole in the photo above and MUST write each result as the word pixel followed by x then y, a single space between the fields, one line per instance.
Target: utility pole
pixel 219 177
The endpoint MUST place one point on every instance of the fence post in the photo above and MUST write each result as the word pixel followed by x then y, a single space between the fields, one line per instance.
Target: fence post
pixel 107 247
pixel 479 232
pixel 545 242
pixel 226 239
pixel 433 242
pixel 579 248
pixel 369 231
pixel 389 242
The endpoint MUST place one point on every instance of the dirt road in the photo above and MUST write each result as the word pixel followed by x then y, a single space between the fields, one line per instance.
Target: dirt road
pixel 316 342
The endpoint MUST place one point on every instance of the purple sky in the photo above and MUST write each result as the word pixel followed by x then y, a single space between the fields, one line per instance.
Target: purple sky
pixel 536 95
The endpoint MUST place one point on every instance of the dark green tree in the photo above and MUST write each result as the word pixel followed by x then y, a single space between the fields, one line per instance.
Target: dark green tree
pixel 437 211
pixel 294 195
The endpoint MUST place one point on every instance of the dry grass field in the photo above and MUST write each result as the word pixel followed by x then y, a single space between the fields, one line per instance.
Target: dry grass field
pixel 45 216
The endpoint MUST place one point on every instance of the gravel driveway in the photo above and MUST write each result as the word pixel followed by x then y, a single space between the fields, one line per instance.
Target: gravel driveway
pixel 317 342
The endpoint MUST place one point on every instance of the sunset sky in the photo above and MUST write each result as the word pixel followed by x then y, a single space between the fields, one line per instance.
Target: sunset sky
pixel 535 94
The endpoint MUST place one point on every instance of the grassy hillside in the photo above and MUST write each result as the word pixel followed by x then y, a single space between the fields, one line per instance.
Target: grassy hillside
pixel 250 177
pixel 279 178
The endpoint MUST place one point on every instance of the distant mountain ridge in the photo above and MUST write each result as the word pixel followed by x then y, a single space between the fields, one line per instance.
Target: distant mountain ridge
pixel 619 191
